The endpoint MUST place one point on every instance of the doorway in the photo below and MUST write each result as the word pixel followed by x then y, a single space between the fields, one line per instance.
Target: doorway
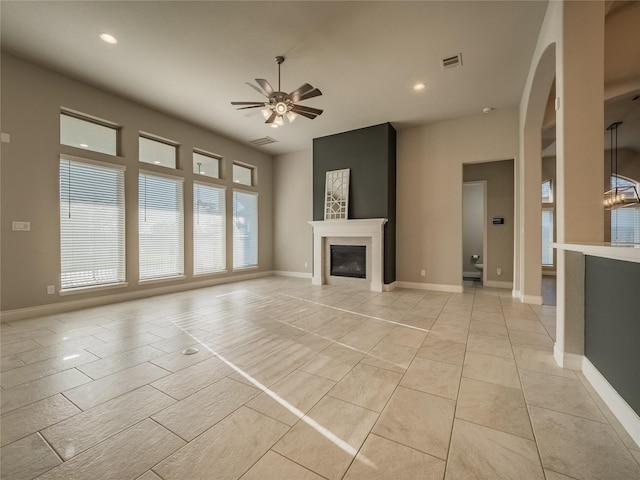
pixel 474 231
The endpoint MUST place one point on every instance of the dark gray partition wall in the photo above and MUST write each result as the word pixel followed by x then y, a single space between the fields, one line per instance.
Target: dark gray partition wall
pixel 612 324
pixel 370 153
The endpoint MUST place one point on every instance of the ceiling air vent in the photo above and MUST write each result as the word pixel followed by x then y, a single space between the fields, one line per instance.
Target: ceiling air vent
pixel 452 61
pixel 261 142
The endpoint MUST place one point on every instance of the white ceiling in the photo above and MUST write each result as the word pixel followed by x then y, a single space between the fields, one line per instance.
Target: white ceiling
pixel 190 59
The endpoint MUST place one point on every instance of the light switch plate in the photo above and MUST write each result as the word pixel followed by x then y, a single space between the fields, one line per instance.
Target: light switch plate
pixel 21 226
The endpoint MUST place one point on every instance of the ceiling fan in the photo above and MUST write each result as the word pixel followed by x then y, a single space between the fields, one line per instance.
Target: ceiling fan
pixel 280 104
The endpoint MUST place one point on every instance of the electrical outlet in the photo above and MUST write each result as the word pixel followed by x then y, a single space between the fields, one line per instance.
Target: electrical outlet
pixel 499 271
pixel 423 273
pixel 51 289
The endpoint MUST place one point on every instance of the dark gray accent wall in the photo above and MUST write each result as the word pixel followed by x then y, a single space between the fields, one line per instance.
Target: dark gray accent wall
pixel 370 153
pixel 612 324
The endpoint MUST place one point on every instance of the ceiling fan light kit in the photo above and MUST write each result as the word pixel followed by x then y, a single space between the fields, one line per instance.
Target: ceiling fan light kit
pixel 280 104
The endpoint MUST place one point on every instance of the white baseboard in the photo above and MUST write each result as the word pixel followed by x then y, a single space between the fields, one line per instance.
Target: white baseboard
pixel 571 361
pixel 438 287
pixel 281 273
pixel 495 284
pixel 53 308
pixel 531 299
pixel 515 293
pixel 618 406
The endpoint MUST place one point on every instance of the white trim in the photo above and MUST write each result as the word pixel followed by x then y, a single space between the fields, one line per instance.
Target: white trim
pixel 618 406
pixel 496 284
pixel 281 273
pixel 172 176
pixel 53 308
pixel 531 299
pixel 92 288
pixel 438 287
pixel 372 228
pixel 571 361
pixel 147 281
pixel 515 293
pixel 72 158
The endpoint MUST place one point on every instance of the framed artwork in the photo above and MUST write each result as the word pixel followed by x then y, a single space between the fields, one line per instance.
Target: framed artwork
pixel 336 195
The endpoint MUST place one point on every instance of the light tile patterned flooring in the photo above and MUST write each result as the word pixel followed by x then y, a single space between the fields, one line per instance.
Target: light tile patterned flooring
pixel 294 381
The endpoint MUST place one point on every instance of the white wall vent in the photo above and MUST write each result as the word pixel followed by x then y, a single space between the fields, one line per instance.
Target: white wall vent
pixel 261 142
pixel 452 61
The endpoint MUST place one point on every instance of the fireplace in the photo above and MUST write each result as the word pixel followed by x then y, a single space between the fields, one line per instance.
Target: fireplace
pixel 367 232
pixel 349 261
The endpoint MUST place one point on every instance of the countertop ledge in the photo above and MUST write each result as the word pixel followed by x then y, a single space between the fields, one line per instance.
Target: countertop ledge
pixel 629 252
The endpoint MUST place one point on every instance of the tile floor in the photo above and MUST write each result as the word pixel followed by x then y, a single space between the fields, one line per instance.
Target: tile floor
pixel 294 381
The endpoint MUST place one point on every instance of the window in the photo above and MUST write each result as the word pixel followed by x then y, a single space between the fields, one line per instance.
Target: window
pixel 79 132
pixel 547 237
pixel 208 229
pixel 157 152
pixel 625 222
pixel 92 229
pixel 208 165
pixel 547 192
pixel 547 224
pixel 242 175
pixel 160 226
pixel 245 229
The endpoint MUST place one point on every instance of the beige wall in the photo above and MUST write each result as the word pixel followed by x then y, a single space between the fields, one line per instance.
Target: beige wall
pixel 429 186
pixel 500 203
pixel 31 101
pixel 293 208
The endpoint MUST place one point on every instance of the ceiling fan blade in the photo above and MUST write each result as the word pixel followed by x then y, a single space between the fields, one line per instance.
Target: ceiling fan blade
pixel 295 95
pixel 265 85
pixel 272 117
pixel 256 89
pixel 247 103
pixel 310 94
pixel 303 113
pixel 251 106
pixel 302 108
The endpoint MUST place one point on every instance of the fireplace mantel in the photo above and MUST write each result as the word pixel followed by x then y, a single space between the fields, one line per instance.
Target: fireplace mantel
pixel 372 228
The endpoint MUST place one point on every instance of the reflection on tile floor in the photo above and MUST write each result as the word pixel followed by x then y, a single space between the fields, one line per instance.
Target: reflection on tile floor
pixel 295 381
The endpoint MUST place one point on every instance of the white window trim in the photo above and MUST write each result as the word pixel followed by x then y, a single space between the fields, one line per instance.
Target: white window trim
pixel 94 288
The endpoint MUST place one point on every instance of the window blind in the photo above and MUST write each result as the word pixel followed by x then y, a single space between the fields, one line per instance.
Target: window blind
pixel 245 229
pixel 160 226
pixel 625 222
pixel 547 236
pixel 92 227
pixel 208 229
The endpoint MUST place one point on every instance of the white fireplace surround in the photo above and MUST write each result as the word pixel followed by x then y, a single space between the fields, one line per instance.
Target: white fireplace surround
pixel 372 228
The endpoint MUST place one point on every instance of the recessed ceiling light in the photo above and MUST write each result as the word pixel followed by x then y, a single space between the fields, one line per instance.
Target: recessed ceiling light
pixel 84 145
pixel 108 38
pixel 156 162
pixel 419 86
pixel 487 109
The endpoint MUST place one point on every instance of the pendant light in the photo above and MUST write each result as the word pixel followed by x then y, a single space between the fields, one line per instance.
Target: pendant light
pixel 619 196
